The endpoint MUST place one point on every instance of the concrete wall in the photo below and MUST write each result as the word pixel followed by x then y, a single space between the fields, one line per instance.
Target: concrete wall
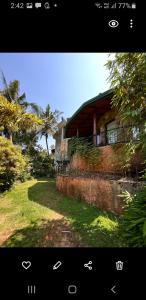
pixel 100 192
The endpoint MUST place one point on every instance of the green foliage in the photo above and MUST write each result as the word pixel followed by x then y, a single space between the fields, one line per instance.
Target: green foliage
pixel 23 123
pixel 50 122
pixel 26 174
pixel 133 223
pixel 128 77
pixel 123 154
pixel 12 163
pixel 41 162
pixel 127 198
pixel 14 118
pixel 11 92
pixel 128 80
pixel 85 149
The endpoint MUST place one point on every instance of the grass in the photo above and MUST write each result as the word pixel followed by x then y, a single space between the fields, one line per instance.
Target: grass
pixel 34 214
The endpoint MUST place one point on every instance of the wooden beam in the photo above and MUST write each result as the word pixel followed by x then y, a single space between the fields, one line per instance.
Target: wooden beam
pixel 94 129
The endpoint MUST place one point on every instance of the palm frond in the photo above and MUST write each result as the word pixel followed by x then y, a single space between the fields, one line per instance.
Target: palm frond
pixel 21 99
pixel 6 87
pixel 35 108
pixel 14 87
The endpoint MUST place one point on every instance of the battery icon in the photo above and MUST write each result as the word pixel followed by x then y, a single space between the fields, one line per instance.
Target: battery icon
pixel 133 5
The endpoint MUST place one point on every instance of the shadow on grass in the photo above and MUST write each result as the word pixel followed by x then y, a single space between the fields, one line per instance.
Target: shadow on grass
pixel 56 233
pixel 88 225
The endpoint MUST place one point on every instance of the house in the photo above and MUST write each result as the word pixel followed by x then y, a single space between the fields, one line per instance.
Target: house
pixel 97 121
pixel 100 183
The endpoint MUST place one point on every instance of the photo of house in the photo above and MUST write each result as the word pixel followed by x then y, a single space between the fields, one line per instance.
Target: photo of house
pixel 72 150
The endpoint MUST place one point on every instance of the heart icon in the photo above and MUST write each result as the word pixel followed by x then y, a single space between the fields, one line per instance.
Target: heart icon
pixel 26 264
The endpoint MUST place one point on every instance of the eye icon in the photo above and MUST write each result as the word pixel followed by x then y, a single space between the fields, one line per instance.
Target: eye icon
pixel 113 23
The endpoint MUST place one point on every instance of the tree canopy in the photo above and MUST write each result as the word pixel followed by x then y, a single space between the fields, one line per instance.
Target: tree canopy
pixel 128 79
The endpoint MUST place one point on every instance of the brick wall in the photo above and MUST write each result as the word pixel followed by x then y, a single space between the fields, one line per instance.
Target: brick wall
pixel 110 160
pixel 100 192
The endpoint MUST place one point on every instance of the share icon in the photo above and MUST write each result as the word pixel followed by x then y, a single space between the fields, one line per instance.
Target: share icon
pixel 88 265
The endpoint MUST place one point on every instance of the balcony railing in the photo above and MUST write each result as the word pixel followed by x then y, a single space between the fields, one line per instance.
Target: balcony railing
pixel 116 135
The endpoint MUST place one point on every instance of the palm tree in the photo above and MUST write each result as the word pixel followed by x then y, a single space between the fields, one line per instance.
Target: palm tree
pixel 50 120
pixel 13 118
pixel 11 92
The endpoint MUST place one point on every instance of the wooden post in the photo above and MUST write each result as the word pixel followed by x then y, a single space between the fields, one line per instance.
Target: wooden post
pixel 77 132
pixel 94 129
pixel 62 133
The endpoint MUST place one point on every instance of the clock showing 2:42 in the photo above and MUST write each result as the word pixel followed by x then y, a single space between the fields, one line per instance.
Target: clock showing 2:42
pixel 16 5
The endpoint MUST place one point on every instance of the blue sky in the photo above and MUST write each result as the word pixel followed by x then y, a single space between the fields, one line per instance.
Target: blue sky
pixel 64 80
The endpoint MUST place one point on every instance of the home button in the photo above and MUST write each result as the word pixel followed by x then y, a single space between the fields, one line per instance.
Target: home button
pixel 72 289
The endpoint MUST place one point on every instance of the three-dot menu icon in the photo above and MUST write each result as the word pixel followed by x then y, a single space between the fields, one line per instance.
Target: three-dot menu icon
pixel 131 23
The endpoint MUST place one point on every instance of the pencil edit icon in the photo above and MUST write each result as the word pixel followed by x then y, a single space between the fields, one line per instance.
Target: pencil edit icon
pixel 57 265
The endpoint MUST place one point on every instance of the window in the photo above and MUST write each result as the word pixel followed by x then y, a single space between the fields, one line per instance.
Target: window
pixel 98 139
pixel 112 135
pixel 135 133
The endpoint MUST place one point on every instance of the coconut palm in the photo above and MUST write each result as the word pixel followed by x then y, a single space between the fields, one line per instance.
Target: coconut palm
pixel 50 121
pixel 11 92
pixel 13 118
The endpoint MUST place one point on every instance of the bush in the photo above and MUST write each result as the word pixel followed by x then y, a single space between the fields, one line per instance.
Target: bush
pixel 86 150
pixel 42 164
pixel 133 224
pixel 12 163
pixel 26 174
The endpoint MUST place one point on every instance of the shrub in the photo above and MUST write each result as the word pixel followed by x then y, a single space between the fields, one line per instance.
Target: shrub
pixel 26 174
pixel 12 163
pixel 41 162
pixel 133 223
pixel 86 150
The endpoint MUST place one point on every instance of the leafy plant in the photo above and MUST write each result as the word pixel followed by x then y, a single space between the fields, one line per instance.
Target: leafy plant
pixel 128 77
pixel 12 163
pixel 85 149
pixel 41 163
pixel 133 223
pixel 13 118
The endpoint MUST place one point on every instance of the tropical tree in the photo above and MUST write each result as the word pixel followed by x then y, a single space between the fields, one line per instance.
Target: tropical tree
pixel 12 163
pixel 13 118
pixel 128 79
pixel 11 92
pixel 50 121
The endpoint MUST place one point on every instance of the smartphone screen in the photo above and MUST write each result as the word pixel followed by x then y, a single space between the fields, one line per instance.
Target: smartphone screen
pixel 72 149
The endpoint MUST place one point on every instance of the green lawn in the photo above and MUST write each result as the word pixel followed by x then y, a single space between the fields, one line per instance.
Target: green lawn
pixel 34 214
